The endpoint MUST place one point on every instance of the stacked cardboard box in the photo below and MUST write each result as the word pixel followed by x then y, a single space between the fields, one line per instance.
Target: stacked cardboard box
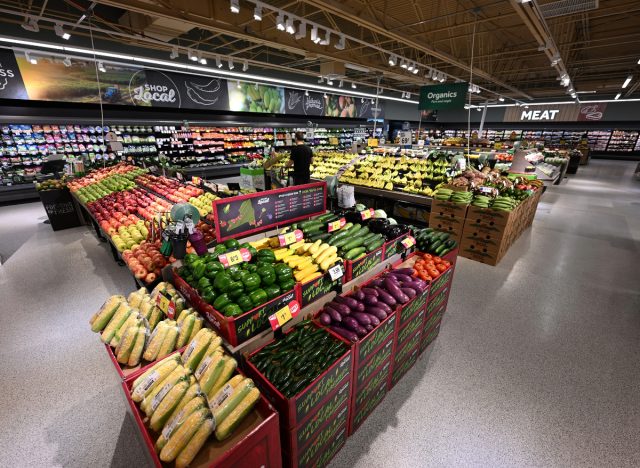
pixel 488 234
pixel 448 217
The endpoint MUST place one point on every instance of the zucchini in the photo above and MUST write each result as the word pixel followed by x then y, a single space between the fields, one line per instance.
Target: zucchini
pixel 434 246
pixel 309 223
pixel 314 228
pixel 440 250
pixel 323 236
pixel 353 243
pixel 362 232
pixel 353 253
pixel 374 245
pixel 330 219
pixel 451 243
pixel 443 236
pixel 369 237
pixel 324 218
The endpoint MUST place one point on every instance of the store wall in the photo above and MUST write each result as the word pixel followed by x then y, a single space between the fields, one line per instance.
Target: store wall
pixel 395 110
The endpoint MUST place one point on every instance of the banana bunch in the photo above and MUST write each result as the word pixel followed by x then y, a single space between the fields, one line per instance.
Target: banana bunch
pixel 463 198
pixel 188 397
pixel 502 203
pixel 481 201
pixel 443 194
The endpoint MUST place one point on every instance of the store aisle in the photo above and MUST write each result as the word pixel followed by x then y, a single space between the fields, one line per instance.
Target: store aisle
pixel 536 363
pixel 61 402
pixel 537 360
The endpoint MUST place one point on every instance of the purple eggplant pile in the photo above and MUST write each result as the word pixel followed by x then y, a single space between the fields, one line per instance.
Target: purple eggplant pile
pixel 354 316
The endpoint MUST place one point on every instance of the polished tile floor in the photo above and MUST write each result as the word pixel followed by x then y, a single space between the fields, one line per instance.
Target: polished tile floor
pixel 537 363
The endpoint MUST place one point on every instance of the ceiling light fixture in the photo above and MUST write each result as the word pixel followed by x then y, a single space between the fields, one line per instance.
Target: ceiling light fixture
pixel 410 67
pixel 238 84
pixel 30 58
pixel 555 60
pixel 314 35
pixel 67 62
pixel 327 39
pixel 353 86
pixel 403 64
pixel 324 95
pixel 234 6
pixel 245 66
pixel 174 53
pixel 302 30
pixel 341 43
pixel 415 69
pixel 257 12
pixel 101 67
pixel 340 84
pixel 501 99
pixel 320 80
pixel 201 59
pixel 290 28
pixel 280 21
pixel 329 82
pixel 617 96
pixel 61 32
pixel 627 81
pixel 192 55
pixel 306 92
pixel 231 66
pixel 574 95
pixel 393 60
pixel 218 62
pixel 30 24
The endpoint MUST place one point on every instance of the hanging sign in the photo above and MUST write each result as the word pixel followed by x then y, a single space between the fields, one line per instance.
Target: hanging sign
pixel 446 96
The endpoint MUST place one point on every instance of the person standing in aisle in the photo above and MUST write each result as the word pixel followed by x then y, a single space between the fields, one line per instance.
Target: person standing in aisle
pixel 301 159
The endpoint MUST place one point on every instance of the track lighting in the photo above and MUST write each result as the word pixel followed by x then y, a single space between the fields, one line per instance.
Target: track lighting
pixel 501 99
pixel 324 95
pixel 302 30
pixel 201 59
pixel 314 35
pixel 341 43
pixel 574 95
pixel 61 32
pixel 329 82
pixel 393 60
pixel 403 64
pixel 306 92
pixel 257 12
pixel 231 66
pixel 617 96
pixel 353 86
pixel 556 60
pixel 245 66
pixel 218 62
pixel 415 69
pixel 30 24
pixel 320 80
pixel 30 58
pixel 238 85
pixel 234 6
pixel 280 21
pixel 174 53
pixel 192 55
pixel 627 81
pixel 290 28
pixel 372 101
pixel 67 62
pixel 101 67
pixel 340 84
pixel 410 67
pixel 526 106
pixel 327 39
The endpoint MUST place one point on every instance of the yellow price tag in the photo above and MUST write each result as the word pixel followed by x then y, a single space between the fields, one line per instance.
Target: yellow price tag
pixel 373 142
pixel 290 237
pixel 408 242
pixel 233 258
pixel 283 315
pixel 162 302
pixel 334 226
pixel 366 214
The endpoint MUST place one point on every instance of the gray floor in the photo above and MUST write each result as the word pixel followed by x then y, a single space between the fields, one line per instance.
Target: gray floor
pixel 537 363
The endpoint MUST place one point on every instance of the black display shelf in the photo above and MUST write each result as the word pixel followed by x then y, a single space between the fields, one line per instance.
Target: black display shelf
pixel 11 193
pixel 214 172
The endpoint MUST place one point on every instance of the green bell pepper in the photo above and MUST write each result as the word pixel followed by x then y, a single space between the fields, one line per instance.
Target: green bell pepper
pixel 184 271
pixel 252 250
pixel 232 310
pixel 221 301
pixel 261 263
pixel 198 269
pixel 219 250
pixel 234 272
pixel 209 257
pixel 251 281
pixel 222 281
pixel 231 244
pixel 267 274
pixel 189 259
pixel 188 278
pixel 245 303
pixel 258 297
pixel 208 296
pixel 283 271
pixel 266 255
pixel 287 284
pixel 204 283
pixel 236 293
pixel 251 267
pixel 213 268
pixel 272 290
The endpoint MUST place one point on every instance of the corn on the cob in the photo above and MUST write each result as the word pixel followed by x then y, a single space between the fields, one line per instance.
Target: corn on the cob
pixel 155 341
pixel 178 418
pixel 236 416
pixel 225 392
pixel 126 344
pixel 192 392
pixel 211 374
pixel 206 360
pixel 169 343
pixel 181 437
pixel 168 404
pixel 153 399
pixel 155 316
pixel 138 346
pixel 101 318
pixel 136 297
pixel 197 326
pixel 132 320
pixel 222 411
pixel 120 315
pixel 185 330
pixel 196 349
pixel 182 316
pixel 228 369
pixel 155 367
pixel 195 444
pixel 146 307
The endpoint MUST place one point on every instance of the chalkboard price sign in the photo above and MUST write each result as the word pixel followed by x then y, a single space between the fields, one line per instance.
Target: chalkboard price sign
pixel 261 211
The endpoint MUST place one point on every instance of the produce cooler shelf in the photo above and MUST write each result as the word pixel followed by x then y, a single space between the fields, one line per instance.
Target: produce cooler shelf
pixel 421 200
pixel 18 192
pixel 214 172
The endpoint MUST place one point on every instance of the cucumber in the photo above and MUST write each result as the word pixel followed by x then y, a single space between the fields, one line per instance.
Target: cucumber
pixel 451 243
pixel 369 237
pixel 315 228
pixel 439 251
pixel 372 239
pixel 309 223
pixel 374 245
pixel 330 219
pixel 353 253
pixel 342 233
pixel 343 241
pixel 362 232
pixel 443 236
pixel 353 243
pixel 323 236
pixel 324 218
pixel 434 246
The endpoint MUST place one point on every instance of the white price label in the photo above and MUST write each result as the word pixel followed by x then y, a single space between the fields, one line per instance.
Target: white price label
pixel 336 272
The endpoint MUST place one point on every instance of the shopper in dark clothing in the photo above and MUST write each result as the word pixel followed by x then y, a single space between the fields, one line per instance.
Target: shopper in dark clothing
pixel 301 159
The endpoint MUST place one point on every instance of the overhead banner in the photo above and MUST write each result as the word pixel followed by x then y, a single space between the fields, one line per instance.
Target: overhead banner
pixel 445 96
pixel 50 79
pixel 556 113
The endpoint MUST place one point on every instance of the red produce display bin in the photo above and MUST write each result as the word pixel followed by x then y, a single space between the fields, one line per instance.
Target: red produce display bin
pixel 355 268
pixel 255 442
pixel 132 372
pixel 394 246
pixel 404 365
pixel 315 289
pixel 452 256
pixel 236 330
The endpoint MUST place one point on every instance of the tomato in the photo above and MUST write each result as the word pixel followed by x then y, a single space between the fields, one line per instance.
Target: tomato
pixel 430 265
pixel 433 272
pixel 446 262
pixel 437 260
pixel 427 256
pixel 442 267
pixel 424 276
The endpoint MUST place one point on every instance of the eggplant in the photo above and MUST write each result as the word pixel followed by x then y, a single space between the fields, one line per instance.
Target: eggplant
pixel 409 292
pixel 350 302
pixel 381 305
pixel 358 295
pixel 351 324
pixel 375 321
pixel 377 312
pixel 363 319
pixel 325 318
pixel 395 291
pixel 370 291
pixel 343 332
pixel 361 331
pixel 384 296
pixel 378 225
pixel 400 277
pixel 370 299
pixel 377 282
pixel 416 284
pixel 402 271
pixel 341 308
pixel 333 314
pixel 369 327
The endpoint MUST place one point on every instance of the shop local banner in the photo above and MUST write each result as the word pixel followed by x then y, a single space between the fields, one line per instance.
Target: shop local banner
pixel 51 80
pixel 446 96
